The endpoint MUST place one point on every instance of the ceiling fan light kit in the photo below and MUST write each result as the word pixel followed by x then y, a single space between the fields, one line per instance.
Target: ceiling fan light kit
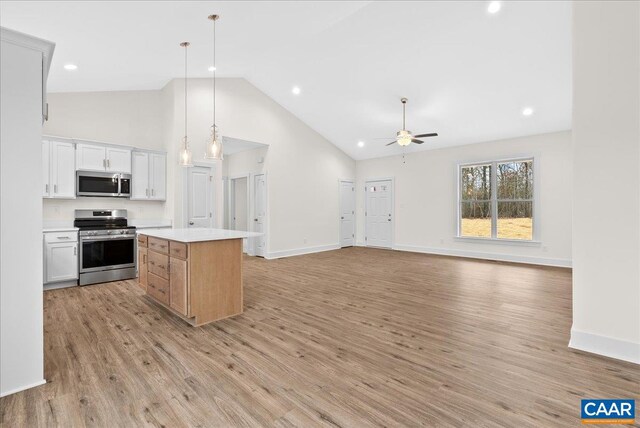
pixel 404 136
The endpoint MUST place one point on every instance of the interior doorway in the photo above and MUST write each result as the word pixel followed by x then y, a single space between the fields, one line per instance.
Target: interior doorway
pixel 239 205
pixel 347 213
pixel 379 213
pixel 260 213
pixel 199 200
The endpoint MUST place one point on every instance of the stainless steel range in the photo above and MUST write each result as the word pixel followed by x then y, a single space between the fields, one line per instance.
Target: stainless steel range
pixel 107 246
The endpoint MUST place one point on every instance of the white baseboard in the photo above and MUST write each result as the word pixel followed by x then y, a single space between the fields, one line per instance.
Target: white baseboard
pixel 606 346
pixel 301 251
pixel 22 388
pixel 486 256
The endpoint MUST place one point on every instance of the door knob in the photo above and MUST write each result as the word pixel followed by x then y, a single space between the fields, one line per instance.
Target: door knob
pixel 191 223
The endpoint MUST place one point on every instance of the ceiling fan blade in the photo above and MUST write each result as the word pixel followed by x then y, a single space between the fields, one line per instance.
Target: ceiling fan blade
pixel 393 142
pixel 414 140
pixel 433 134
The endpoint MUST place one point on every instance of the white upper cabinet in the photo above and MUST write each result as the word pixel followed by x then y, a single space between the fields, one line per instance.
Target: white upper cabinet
pixel 94 157
pixel 149 176
pixel 58 169
pixel 90 157
pixel 118 160
pixel 63 171
pixel 46 171
pixel 158 176
pixel 140 175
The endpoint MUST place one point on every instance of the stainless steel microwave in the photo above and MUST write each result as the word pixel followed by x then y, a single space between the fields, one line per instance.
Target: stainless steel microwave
pixel 110 184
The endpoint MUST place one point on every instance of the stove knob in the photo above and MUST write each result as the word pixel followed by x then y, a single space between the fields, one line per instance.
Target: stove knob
pixel 109 232
pixel 122 232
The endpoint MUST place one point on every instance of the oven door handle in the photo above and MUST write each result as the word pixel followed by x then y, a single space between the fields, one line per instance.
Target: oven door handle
pixel 107 238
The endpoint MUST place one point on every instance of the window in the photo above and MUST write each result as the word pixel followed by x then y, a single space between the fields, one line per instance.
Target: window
pixel 496 200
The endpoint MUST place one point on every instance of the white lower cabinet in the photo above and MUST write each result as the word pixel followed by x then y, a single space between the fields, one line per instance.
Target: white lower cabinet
pixel 60 257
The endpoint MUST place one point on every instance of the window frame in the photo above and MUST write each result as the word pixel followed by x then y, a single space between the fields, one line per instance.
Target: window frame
pixel 494 202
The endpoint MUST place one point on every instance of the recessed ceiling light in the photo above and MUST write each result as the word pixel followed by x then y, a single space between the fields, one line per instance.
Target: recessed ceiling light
pixel 70 67
pixel 295 90
pixel 494 7
pixel 212 68
pixel 360 143
pixel 528 111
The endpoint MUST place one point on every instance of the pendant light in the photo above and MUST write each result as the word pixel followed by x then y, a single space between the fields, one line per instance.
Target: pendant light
pixel 185 151
pixel 214 145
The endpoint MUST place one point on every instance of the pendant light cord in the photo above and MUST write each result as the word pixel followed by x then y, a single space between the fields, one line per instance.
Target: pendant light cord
pixel 214 76
pixel 185 96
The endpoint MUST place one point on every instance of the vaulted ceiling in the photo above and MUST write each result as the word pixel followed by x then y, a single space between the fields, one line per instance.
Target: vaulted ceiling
pixel 468 74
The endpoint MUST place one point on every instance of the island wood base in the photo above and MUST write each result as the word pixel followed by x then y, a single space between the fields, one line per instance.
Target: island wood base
pixel 199 281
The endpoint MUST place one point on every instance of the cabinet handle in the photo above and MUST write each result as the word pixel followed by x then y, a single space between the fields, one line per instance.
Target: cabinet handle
pixel 75 251
pixel 153 192
pixel 104 163
pixel 146 192
pixel 46 188
pixel 169 267
pixel 144 258
pixel 64 237
pixel 55 188
pixel 108 163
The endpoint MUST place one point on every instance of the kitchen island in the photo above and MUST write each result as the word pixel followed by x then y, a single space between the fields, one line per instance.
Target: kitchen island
pixel 196 273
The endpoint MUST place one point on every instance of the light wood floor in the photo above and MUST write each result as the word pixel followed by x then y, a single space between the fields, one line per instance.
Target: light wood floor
pixel 355 337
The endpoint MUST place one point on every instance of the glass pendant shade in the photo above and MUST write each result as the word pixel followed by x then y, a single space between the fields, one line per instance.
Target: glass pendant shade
pixel 214 145
pixel 185 158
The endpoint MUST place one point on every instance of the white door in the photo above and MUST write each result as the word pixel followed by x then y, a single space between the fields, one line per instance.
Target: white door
pixel 347 213
pixel 260 214
pixel 62 261
pixel 118 160
pixel 63 170
pixel 90 157
pixel 140 175
pixel 46 172
pixel 158 176
pixel 199 197
pixel 378 214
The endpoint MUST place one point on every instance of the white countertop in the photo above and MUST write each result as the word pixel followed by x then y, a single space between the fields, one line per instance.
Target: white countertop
pixel 58 226
pixel 198 234
pixel 146 224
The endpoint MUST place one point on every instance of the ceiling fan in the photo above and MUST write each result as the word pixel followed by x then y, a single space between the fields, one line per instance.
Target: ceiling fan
pixel 404 137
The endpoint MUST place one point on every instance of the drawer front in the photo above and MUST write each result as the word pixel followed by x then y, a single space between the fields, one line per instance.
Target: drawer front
pixel 158 288
pixel 158 264
pixel 57 237
pixel 142 240
pixel 178 249
pixel 159 245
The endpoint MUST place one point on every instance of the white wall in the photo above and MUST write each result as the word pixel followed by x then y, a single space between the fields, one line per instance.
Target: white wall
pixel 131 118
pixel 302 167
pixel 606 181
pixel 426 198
pixel 21 318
